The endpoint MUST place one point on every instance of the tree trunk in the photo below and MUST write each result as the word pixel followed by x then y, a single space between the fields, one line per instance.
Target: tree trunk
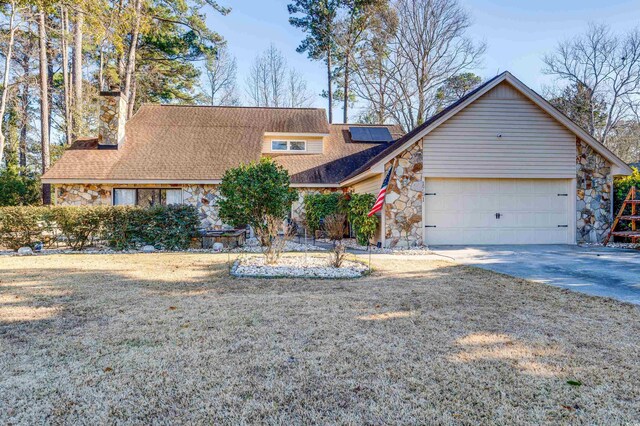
pixel 329 85
pixel 345 107
pixel 131 58
pixel 5 79
pixel 132 99
pixel 67 92
pixel 50 73
pixel 121 68
pixel 77 74
pixel 24 128
pixel 44 104
pixel 101 69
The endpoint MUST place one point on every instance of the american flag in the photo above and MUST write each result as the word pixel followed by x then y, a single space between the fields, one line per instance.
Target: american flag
pixel 383 191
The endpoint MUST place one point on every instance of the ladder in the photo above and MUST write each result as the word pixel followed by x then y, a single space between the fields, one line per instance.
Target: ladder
pixel 634 217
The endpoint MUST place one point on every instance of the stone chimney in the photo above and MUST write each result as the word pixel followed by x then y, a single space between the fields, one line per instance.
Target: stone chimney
pixel 113 115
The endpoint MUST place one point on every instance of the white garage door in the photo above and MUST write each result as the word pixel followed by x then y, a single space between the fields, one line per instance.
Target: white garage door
pixel 497 211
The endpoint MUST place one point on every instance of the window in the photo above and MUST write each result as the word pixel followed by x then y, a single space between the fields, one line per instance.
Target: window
pixel 297 146
pixel 147 197
pixel 124 197
pixel 288 145
pixel 278 145
pixel 174 196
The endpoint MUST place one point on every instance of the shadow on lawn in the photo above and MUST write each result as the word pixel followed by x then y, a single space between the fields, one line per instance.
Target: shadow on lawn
pixel 475 317
pixel 64 297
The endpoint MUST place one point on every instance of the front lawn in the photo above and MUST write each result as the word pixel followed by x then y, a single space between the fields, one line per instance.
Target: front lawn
pixel 171 338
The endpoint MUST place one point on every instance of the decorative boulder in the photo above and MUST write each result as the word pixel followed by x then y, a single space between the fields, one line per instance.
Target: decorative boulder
pixel 218 246
pixel 25 251
pixel 148 249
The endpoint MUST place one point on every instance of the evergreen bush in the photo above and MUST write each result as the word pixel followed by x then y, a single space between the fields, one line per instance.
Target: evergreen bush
pixel 120 227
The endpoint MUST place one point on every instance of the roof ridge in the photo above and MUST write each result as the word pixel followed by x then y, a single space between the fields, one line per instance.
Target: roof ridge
pixel 235 106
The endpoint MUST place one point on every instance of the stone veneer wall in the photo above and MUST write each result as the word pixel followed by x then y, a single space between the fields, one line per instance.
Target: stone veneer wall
pixel 203 197
pixel 403 206
pixel 113 112
pixel 83 195
pixel 594 184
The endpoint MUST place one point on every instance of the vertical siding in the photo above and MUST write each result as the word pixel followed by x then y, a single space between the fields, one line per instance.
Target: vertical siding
pixel 533 144
pixel 368 186
pixel 314 145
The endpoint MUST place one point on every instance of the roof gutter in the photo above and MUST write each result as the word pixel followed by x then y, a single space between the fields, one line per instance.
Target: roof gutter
pixel 168 182
pixel 289 134
pixel 133 181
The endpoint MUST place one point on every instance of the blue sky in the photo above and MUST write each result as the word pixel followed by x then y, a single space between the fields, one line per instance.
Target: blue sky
pixel 517 32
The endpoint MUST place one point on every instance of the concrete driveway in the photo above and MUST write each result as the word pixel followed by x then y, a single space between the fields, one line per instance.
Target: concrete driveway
pixel 598 271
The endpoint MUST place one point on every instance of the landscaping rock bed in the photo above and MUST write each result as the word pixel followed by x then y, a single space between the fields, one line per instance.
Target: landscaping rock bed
pixel 352 244
pixel 253 246
pixel 297 267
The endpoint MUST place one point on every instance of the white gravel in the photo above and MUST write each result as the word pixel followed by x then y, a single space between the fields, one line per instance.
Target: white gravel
pixel 299 267
pixel 252 246
pixel 351 243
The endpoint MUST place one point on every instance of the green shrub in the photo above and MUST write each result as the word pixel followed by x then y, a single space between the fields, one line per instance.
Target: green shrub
pixel 254 192
pixel 363 226
pixel 170 227
pixel 78 225
pixel 319 206
pixel 623 185
pixel 18 189
pixel 120 227
pixel 24 226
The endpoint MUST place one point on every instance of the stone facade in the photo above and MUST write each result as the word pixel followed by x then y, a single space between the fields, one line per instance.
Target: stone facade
pixel 83 195
pixel 113 113
pixel 594 184
pixel 203 197
pixel 403 210
pixel 403 206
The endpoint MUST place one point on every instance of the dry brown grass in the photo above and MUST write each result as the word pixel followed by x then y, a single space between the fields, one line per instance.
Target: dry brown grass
pixel 170 338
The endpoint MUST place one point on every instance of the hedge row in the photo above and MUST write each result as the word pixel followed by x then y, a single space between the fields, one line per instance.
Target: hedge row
pixel 119 227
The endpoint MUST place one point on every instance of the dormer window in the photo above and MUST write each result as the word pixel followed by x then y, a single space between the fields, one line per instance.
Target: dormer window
pixel 295 146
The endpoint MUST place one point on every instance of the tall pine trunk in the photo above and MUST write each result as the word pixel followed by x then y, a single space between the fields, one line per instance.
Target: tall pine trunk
pixel 330 85
pixel 5 79
pixel 345 107
pixel 25 116
pixel 77 74
pixel 132 97
pixel 64 45
pixel 44 104
pixel 131 57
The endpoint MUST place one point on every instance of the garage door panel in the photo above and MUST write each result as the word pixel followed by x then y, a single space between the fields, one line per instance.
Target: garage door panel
pixel 463 211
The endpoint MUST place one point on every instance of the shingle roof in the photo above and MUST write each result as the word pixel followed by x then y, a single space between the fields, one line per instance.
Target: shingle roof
pixel 341 156
pixel 196 143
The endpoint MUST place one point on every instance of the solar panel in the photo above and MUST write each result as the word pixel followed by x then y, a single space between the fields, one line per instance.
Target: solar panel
pixel 370 134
